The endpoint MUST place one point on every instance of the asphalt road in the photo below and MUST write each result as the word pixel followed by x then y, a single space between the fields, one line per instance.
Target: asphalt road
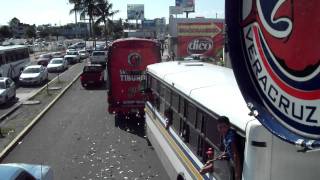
pixel 79 140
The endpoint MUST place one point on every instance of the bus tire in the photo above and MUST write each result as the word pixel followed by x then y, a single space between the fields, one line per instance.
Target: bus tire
pixel 181 176
pixel 117 119
pixel 148 142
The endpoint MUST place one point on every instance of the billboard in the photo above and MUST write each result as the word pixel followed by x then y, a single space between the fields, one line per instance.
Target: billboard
pixel 135 11
pixel 200 38
pixel 148 24
pixel 175 10
pixel 186 5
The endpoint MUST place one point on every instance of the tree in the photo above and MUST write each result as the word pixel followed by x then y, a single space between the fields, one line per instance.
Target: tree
pixel 118 29
pixel 76 7
pixel 31 32
pixel 44 33
pixel 97 30
pixel 88 7
pixel 104 11
pixel 5 32
pixel 55 32
pixel 14 21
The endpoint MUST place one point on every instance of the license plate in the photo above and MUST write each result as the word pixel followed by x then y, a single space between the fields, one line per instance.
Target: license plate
pixel 134 110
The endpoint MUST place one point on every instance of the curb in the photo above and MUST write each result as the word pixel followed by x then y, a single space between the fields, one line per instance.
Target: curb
pixel 12 110
pixel 15 141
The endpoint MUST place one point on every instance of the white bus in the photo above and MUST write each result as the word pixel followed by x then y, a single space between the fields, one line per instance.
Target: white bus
pixel 12 60
pixel 196 94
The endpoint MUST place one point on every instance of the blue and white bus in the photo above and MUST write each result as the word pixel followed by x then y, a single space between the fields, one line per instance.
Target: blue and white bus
pixel 193 95
pixel 12 60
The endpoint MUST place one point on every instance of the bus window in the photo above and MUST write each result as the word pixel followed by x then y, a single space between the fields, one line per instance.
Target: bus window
pixel 176 117
pixel 1 60
pixel 211 131
pixel 191 114
pixel 167 95
pixel 193 139
pixel 162 100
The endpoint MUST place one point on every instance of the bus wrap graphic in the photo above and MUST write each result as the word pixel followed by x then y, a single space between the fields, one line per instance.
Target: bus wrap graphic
pixel 280 53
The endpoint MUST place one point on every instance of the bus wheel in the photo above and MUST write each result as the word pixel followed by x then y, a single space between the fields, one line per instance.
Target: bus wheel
pixel 148 142
pixel 181 176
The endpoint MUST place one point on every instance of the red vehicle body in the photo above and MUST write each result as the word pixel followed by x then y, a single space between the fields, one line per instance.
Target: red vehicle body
pixel 92 75
pixel 127 62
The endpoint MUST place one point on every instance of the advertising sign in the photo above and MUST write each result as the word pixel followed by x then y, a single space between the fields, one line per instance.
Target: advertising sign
pixel 200 38
pixel 275 57
pixel 148 24
pixel 135 11
pixel 175 10
pixel 186 5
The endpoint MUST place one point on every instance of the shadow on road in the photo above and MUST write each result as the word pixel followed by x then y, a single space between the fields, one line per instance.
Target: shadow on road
pixel 133 125
pixel 9 104
pixel 97 87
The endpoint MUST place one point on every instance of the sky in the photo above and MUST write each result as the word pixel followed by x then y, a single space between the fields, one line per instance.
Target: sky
pixel 56 12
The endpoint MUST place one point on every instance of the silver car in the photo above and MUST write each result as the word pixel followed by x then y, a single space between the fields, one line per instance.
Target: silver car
pixel 7 90
pixel 57 65
pixel 34 74
pixel 17 171
pixel 83 54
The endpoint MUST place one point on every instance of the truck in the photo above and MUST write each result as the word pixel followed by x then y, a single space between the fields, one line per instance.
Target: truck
pixel 126 65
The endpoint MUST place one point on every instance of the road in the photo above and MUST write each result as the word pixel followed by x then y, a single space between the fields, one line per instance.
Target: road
pixel 78 139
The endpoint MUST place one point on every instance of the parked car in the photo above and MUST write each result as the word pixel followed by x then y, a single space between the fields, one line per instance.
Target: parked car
pixel 57 65
pixel 57 55
pixel 92 74
pixel 83 54
pixel 70 49
pixel 7 90
pixel 33 74
pixel 100 47
pixel 98 57
pixel 44 59
pixel 72 57
pixel 19 171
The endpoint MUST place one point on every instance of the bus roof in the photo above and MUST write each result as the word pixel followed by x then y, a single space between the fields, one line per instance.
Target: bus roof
pixel 214 87
pixel 12 47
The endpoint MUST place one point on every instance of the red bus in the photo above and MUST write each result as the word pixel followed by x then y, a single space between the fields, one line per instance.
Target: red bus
pixel 127 62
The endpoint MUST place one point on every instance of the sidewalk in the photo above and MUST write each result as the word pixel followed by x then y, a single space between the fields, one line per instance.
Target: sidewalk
pixel 19 122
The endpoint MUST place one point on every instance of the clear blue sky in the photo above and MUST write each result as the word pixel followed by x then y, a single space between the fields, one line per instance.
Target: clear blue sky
pixel 57 11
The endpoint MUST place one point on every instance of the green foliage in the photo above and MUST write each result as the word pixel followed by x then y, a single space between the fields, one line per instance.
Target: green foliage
pixel 5 32
pixel 31 32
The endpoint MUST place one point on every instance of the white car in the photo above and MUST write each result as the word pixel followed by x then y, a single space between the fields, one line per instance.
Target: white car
pixel 83 54
pixel 57 65
pixel 17 171
pixel 98 57
pixel 7 90
pixel 34 74
pixel 72 57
